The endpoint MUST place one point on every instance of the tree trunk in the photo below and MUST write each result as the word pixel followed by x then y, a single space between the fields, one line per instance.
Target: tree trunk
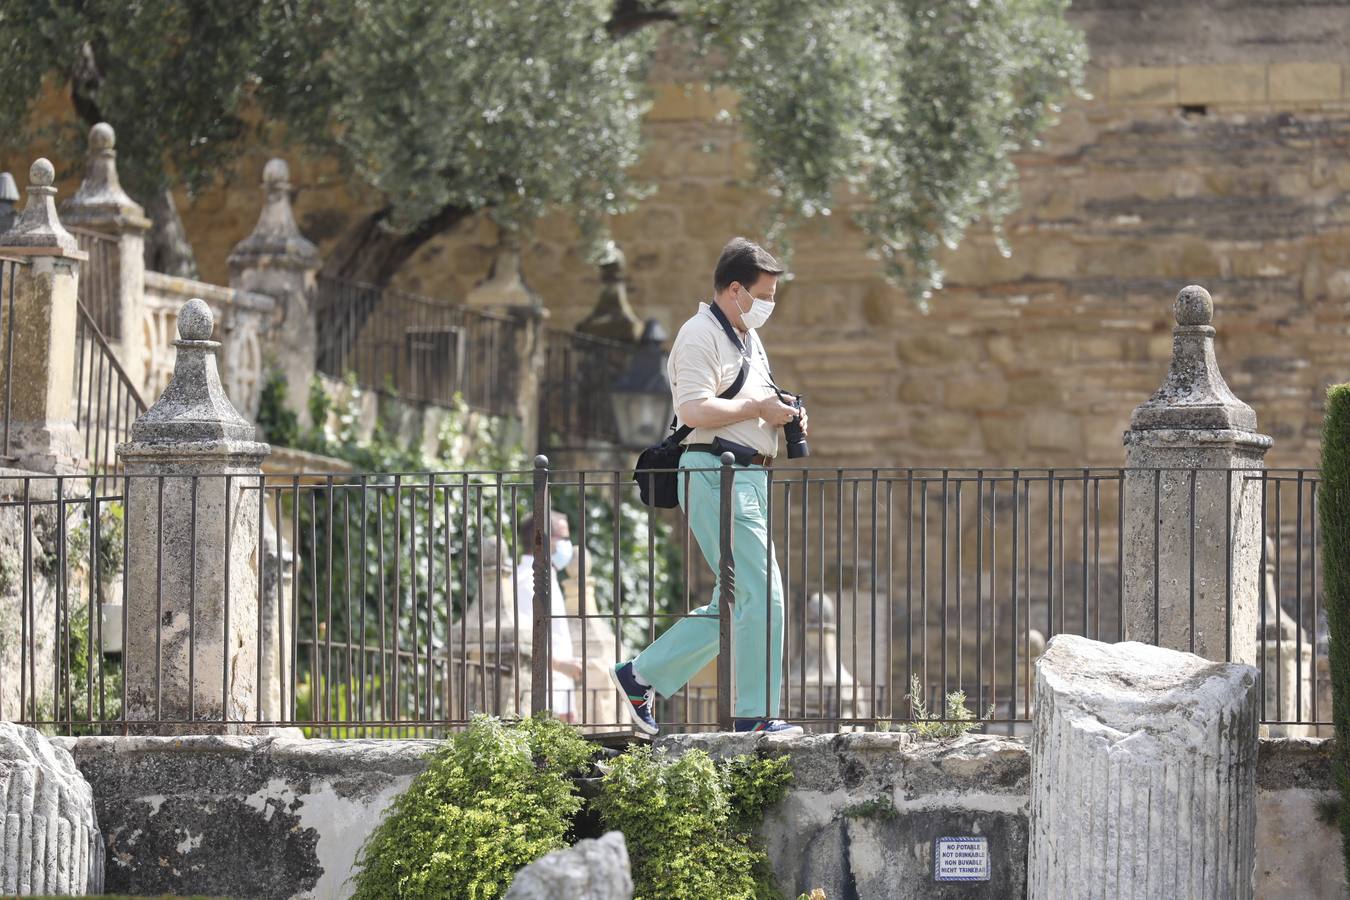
pixel 167 248
pixel 372 253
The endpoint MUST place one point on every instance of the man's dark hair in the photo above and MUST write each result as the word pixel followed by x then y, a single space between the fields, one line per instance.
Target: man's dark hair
pixel 743 261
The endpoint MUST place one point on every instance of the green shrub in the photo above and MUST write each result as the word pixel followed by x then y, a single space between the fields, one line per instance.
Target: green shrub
pixel 493 798
pixel 1334 502
pixel 954 722
pixel 689 823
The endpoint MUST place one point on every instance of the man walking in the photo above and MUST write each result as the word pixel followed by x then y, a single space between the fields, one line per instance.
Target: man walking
pixel 723 389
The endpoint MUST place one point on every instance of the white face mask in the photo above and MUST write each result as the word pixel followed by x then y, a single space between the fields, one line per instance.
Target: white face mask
pixel 759 312
pixel 562 554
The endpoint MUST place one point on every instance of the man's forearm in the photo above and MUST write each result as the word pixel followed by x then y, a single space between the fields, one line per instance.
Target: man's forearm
pixel 715 412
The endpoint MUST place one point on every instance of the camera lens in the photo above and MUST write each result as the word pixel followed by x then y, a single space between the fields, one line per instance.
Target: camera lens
pixel 792 432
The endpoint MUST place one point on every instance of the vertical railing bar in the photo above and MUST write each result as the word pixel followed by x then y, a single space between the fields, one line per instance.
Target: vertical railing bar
pixel 769 711
pixel 540 541
pixel 192 602
pixel 1049 556
pixel 1190 561
pixel 263 693
pixel 159 598
pixel 225 627
pixel 429 634
pixel 839 592
pixel 1298 603
pixel 726 579
pixel 1157 526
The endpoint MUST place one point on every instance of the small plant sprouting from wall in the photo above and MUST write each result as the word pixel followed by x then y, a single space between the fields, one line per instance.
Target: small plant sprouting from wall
pixel 1334 504
pixel 956 720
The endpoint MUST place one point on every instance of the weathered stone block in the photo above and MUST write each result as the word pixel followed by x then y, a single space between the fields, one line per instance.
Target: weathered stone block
pixel 1143 776
pixel 1304 81
pixel 588 870
pixel 1221 84
pixel 1142 85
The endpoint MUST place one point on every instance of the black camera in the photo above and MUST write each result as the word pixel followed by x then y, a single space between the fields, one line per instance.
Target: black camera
pixel 792 431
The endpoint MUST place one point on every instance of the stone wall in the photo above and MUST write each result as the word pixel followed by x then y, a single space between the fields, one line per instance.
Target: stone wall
pixel 274 817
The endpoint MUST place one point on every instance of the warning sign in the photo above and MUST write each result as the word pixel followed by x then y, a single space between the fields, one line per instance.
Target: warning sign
pixel 961 859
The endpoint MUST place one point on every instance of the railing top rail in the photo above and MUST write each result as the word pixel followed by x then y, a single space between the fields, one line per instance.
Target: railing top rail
pixel 90 233
pixel 418 299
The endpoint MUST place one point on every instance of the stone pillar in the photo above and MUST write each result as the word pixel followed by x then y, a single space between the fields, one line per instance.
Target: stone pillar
pixel 1143 774
pixel 505 291
pixel 9 197
pixel 101 205
pixel 42 434
pixel 1191 451
pixel 191 652
pixel 277 260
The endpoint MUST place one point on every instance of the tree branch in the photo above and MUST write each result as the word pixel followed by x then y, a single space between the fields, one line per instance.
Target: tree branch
pixel 632 15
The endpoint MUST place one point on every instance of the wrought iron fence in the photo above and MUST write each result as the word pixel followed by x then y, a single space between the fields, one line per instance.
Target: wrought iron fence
pixel 403 604
pixel 106 400
pixel 97 288
pixel 574 393
pixel 416 347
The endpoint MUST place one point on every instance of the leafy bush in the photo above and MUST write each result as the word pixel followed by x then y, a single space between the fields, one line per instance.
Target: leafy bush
pixel 1334 503
pixel 492 799
pixel 689 822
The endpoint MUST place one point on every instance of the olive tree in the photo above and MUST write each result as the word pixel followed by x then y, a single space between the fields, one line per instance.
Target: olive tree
pixel 902 114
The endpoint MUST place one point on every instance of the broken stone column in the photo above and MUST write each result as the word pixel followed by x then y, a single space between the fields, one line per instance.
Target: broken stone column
pixel 1190 453
pixel 191 652
pixel 101 205
pixel 42 435
pixel 49 842
pixel 1143 774
pixel 276 259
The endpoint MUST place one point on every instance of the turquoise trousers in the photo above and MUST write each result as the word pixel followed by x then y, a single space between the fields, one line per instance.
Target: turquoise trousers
pixel 757 614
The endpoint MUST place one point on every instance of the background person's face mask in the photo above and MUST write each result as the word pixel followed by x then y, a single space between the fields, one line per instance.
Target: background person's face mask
pixel 562 554
pixel 759 312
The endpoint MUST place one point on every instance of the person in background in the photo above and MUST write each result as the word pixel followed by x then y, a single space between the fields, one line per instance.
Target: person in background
pixel 566 667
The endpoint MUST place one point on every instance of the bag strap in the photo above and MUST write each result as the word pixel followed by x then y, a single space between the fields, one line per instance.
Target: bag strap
pixel 683 431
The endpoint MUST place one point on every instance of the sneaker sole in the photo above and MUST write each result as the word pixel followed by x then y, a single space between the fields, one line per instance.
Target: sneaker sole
pixel 632 713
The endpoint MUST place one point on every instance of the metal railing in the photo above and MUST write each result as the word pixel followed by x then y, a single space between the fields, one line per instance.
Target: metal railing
pixel 403 604
pixel 7 288
pixel 416 347
pixel 107 403
pixel 574 392
pixel 97 288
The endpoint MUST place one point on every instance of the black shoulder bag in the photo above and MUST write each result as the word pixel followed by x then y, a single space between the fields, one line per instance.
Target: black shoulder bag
pixel 656 470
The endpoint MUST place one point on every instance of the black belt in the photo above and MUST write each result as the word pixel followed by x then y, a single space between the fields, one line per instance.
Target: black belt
pixel 759 459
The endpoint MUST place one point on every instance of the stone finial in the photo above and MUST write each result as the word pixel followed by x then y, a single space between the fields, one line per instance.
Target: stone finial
pixel 1194 396
pixel 100 200
pixel 505 284
pixel 194 407
pixel 613 316
pixel 276 239
pixel 38 230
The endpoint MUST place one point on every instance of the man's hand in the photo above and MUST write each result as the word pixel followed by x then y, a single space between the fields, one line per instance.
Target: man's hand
pixel 775 411
pixel 806 427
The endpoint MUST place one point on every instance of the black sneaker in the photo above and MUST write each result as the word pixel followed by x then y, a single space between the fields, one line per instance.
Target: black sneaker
pixel 640 697
pixel 767 726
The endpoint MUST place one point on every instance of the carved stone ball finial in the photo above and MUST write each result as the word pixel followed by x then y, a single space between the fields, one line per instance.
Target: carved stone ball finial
pixel 41 173
pixel 276 173
pixel 102 137
pixel 195 321
pixel 1194 306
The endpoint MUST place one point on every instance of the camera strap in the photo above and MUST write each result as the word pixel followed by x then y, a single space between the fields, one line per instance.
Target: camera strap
pixel 679 432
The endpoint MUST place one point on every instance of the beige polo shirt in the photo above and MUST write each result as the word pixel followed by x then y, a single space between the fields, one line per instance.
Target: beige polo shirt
pixel 703 363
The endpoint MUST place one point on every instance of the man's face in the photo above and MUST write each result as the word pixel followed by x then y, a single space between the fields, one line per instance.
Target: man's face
pixel 743 297
pixel 561 532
